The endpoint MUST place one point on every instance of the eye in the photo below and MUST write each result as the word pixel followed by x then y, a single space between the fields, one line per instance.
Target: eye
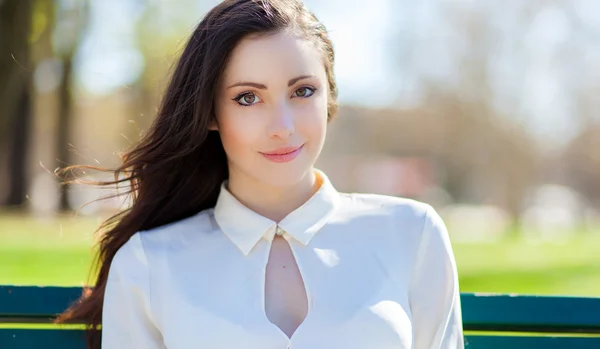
pixel 247 99
pixel 304 92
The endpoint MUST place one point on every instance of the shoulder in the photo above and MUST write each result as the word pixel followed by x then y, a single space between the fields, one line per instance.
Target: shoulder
pixel 186 228
pixel 405 221
pixel 144 245
pixel 397 208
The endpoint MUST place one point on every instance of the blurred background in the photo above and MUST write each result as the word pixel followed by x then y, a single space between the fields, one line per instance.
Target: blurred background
pixel 487 110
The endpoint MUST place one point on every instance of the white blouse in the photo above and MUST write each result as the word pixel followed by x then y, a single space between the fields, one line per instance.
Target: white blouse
pixel 378 271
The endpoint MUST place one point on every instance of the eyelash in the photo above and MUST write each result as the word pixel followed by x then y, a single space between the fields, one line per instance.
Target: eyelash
pixel 243 94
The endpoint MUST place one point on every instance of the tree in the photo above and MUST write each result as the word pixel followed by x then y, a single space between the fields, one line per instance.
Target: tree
pixel 15 99
pixel 71 19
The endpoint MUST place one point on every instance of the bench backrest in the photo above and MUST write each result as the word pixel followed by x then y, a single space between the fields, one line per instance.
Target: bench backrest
pixel 490 321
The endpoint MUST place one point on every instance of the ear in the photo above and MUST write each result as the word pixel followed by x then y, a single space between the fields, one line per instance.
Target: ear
pixel 213 126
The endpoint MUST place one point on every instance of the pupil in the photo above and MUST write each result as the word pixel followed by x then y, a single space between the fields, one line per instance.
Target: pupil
pixel 249 98
pixel 302 92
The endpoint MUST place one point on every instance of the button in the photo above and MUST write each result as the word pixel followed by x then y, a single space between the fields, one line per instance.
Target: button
pixel 279 231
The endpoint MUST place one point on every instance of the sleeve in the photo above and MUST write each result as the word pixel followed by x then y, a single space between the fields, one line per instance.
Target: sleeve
pixel 126 318
pixel 434 292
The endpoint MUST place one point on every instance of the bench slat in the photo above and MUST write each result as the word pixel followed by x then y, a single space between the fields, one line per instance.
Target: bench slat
pixel 33 303
pixel 484 312
pixel 41 338
pixel 74 339
pixel 518 342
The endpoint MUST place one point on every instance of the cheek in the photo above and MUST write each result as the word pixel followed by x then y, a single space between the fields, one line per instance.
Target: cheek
pixel 237 136
pixel 313 119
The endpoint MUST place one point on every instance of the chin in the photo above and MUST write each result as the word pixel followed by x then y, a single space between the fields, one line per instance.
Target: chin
pixel 284 176
pixel 274 174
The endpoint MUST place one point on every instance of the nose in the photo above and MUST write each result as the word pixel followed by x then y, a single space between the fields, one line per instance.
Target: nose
pixel 281 123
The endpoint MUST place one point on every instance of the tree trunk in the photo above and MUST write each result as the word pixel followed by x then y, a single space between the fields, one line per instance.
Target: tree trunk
pixel 64 122
pixel 15 98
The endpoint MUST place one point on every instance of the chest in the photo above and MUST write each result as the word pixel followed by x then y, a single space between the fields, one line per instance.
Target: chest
pixel 286 295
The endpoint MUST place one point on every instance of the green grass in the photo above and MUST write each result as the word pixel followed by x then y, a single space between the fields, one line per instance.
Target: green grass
pixel 45 252
pixel 516 266
pixel 58 252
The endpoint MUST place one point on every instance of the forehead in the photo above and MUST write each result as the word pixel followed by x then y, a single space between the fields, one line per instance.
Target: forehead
pixel 264 58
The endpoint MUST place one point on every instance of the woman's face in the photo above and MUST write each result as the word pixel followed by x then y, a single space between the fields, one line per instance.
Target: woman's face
pixel 271 109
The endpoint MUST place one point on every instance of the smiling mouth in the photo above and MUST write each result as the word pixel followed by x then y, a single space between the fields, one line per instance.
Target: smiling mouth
pixel 283 154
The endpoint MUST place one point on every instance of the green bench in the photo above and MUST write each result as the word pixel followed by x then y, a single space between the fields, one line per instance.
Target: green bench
pixel 490 321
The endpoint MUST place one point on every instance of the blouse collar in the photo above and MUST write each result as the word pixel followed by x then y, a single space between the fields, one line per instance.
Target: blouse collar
pixel 245 227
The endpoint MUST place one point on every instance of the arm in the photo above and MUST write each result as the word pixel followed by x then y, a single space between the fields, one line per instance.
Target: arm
pixel 434 293
pixel 126 318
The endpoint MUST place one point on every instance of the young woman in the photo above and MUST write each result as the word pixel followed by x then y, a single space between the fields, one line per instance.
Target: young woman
pixel 235 240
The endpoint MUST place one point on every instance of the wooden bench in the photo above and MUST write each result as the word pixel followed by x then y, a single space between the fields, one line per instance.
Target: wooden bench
pixel 490 321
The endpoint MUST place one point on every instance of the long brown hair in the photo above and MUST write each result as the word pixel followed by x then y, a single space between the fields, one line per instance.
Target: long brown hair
pixel 177 167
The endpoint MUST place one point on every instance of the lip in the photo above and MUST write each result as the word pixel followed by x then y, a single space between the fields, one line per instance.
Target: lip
pixel 283 154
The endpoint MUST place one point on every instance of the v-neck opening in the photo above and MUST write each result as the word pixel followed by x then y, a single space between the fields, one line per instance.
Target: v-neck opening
pixel 290 338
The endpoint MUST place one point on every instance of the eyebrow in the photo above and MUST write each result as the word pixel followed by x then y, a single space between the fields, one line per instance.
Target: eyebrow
pixel 264 87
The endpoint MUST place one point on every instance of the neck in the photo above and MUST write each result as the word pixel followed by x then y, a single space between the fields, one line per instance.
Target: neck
pixel 272 202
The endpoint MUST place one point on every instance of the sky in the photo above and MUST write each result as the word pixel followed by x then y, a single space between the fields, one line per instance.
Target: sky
pixel 384 47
